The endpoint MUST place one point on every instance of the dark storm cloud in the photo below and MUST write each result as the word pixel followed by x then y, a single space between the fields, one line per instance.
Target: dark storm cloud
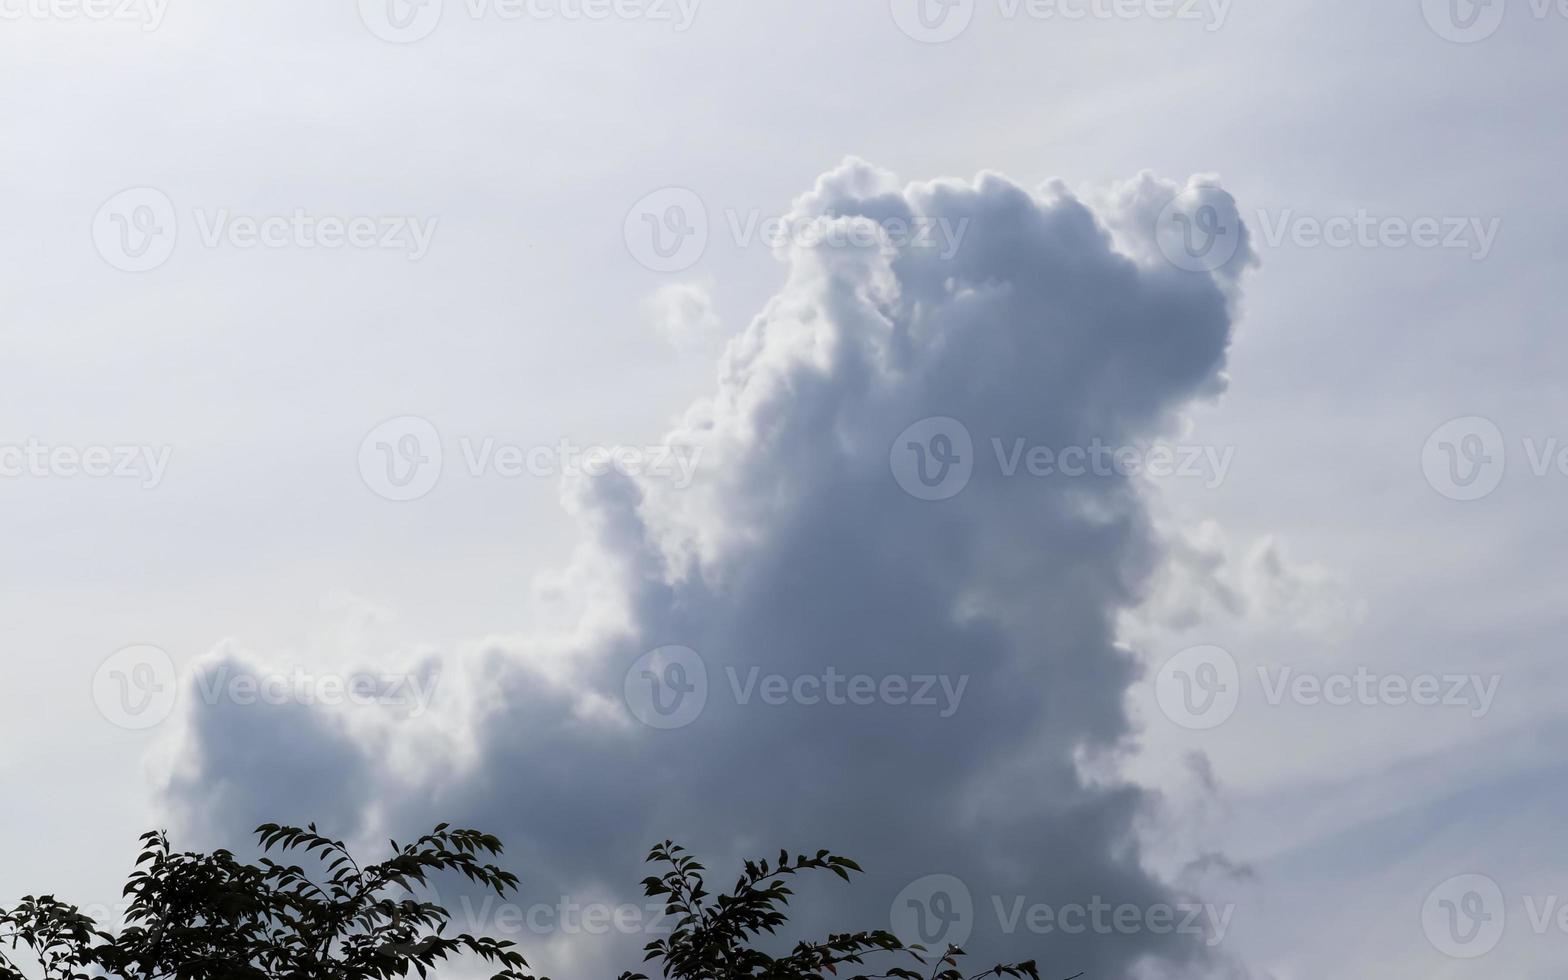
pixel 797 553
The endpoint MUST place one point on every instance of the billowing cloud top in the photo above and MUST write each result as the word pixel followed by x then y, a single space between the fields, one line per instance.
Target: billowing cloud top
pixel 824 536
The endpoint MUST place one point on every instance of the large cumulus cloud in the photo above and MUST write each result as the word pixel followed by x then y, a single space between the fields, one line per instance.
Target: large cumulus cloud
pixel 796 551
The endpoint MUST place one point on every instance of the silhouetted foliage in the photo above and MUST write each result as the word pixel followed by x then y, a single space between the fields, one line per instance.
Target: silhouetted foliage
pixel 209 916
pixel 193 916
pixel 713 935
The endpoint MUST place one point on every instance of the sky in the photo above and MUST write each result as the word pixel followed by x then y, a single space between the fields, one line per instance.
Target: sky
pixel 1069 456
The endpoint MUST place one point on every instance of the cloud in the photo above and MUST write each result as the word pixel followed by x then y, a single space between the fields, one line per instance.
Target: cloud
pixel 306 761
pixel 1207 579
pixel 797 553
pixel 683 314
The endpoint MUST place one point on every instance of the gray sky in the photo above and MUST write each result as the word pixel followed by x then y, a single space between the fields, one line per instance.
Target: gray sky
pixel 262 260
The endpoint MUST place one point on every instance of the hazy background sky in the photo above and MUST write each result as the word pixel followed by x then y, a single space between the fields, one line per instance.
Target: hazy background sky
pixel 1329 546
